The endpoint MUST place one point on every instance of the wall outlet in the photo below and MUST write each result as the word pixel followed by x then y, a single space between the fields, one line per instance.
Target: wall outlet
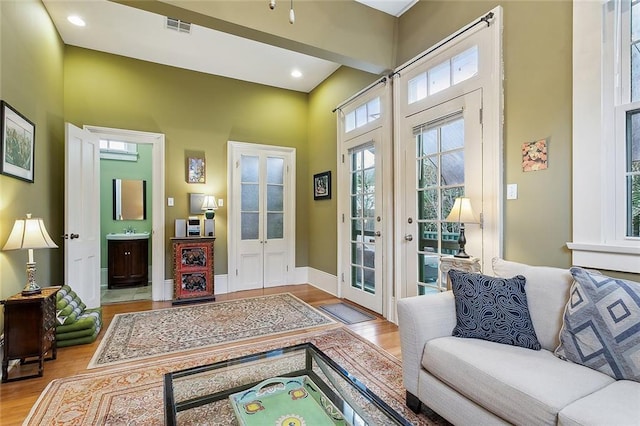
pixel 512 191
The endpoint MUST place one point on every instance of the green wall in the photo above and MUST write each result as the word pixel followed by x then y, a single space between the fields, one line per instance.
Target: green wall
pixel 31 81
pixel 130 170
pixel 323 149
pixel 537 50
pixel 195 112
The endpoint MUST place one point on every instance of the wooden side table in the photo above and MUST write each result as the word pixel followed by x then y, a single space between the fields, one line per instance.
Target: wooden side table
pixel 470 264
pixel 29 330
pixel 193 269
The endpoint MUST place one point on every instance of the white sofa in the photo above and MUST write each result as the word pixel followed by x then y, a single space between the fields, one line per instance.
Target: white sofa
pixel 478 382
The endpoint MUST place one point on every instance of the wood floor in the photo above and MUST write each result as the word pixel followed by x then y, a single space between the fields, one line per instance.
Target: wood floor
pixel 17 398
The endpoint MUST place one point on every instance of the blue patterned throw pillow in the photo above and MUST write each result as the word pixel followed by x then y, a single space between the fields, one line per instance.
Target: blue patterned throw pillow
pixel 601 325
pixel 493 309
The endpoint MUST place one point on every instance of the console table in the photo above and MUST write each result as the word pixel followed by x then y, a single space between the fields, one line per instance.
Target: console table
pixel 29 330
pixel 193 269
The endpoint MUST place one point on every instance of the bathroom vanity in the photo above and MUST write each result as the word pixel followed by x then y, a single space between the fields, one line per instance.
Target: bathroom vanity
pixel 128 263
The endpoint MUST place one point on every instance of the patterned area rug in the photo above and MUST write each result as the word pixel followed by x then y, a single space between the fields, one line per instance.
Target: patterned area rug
pixel 141 335
pixel 134 395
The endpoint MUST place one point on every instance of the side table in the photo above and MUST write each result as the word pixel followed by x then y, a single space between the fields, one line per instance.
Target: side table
pixel 29 330
pixel 468 264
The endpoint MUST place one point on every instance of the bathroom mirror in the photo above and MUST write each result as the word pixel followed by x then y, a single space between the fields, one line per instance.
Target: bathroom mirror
pixel 129 199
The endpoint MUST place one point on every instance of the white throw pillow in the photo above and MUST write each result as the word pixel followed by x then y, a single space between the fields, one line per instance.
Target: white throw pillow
pixel 547 290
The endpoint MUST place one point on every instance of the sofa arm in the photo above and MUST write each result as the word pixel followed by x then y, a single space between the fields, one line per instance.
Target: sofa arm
pixel 421 319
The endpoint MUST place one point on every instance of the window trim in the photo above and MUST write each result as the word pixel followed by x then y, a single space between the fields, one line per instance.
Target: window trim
pixel 599 239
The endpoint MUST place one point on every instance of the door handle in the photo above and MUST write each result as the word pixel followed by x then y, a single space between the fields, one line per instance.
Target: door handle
pixel 378 233
pixel 72 236
pixel 408 237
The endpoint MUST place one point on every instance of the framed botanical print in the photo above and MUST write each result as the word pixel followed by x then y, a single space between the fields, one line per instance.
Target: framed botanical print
pixel 17 145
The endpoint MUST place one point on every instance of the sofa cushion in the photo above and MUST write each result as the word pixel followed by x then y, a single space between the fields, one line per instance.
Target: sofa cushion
pixel 517 384
pixel 492 309
pixel 601 326
pixel 547 294
pixel 616 404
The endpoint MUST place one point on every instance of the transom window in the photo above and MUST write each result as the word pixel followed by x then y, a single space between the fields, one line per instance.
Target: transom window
pixel 362 115
pixel 448 73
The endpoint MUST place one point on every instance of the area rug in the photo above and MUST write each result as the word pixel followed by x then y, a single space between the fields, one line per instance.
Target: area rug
pixel 141 335
pixel 346 313
pixel 134 395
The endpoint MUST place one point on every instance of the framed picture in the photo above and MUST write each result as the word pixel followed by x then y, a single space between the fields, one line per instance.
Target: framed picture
pixel 322 186
pixel 196 172
pixel 18 143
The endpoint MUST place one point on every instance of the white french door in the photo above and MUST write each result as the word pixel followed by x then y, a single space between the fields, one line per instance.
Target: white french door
pixel 262 218
pixel 442 160
pixel 361 227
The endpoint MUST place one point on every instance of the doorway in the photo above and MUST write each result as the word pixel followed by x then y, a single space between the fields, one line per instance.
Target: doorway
pixel 158 290
pixel 262 215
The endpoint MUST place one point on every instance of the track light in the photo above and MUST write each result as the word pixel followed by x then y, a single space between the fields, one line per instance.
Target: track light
pixel 272 4
pixel 292 15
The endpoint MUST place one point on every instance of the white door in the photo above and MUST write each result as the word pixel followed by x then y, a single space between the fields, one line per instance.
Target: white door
pixel 262 219
pixel 82 214
pixel 362 221
pixel 442 160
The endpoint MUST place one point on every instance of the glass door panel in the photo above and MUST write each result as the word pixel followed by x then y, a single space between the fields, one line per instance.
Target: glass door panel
pixel 362 216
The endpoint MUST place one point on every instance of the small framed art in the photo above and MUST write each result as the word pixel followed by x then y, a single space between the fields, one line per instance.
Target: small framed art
pixel 17 145
pixel 322 186
pixel 196 172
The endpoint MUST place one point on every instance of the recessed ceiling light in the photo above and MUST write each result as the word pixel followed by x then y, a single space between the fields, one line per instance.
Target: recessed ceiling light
pixel 296 74
pixel 76 20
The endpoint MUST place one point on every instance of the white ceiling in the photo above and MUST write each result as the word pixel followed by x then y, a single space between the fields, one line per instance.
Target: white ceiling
pixel 126 31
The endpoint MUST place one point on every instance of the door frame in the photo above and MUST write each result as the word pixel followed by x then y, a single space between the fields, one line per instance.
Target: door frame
pixel 383 90
pixel 234 148
pixel 490 80
pixel 160 289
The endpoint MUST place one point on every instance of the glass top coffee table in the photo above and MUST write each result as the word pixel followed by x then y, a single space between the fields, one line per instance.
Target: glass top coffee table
pixel 296 385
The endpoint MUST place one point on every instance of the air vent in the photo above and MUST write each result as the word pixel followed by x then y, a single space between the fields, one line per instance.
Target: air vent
pixel 178 25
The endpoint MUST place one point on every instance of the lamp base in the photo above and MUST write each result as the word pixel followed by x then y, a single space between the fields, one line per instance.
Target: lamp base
pixel 31 288
pixel 26 292
pixel 209 214
pixel 462 241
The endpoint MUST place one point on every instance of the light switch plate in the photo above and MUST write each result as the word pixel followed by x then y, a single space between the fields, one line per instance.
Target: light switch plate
pixel 512 191
pixel 220 202
pixel 170 201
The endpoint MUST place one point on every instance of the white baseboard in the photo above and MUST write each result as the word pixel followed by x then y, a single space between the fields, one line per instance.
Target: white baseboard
pixel 303 275
pixel 323 281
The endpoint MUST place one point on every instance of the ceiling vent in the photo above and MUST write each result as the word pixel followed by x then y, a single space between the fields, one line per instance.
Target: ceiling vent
pixel 178 25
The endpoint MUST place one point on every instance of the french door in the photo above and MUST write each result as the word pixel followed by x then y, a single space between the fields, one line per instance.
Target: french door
pixel 262 219
pixel 361 227
pixel 442 160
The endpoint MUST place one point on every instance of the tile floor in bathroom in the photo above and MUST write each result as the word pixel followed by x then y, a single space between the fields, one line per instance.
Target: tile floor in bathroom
pixel 125 294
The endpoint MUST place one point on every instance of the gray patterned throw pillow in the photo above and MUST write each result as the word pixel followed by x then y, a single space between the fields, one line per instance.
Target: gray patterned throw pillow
pixel 601 327
pixel 493 309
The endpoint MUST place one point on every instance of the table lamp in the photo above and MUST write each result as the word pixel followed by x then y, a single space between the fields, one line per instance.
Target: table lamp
pixel 29 233
pixel 209 206
pixel 462 213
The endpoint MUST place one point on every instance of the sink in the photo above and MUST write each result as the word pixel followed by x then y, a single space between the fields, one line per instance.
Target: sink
pixel 128 236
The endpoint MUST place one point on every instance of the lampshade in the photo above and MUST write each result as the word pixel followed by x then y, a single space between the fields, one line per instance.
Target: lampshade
pixel 462 212
pixel 29 233
pixel 209 203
